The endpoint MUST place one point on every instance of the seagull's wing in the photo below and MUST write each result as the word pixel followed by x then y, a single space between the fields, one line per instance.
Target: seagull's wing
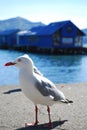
pixel 46 88
pixel 37 71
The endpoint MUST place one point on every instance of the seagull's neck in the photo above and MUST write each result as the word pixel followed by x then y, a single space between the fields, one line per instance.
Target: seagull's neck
pixel 27 70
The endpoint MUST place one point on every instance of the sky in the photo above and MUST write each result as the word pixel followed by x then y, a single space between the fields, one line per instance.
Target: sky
pixel 46 11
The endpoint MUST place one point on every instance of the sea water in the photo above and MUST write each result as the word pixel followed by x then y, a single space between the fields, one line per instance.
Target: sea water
pixel 57 68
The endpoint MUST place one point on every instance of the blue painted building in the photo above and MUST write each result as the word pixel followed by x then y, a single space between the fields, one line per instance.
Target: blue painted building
pixel 8 38
pixel 56 35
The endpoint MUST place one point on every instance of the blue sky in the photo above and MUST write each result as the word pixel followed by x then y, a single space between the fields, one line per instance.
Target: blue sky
pixel 46 11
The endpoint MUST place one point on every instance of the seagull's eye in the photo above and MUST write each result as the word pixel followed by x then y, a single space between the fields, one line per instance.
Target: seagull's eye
pixel 19 60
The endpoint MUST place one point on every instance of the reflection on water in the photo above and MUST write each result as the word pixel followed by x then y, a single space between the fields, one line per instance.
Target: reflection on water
pixel 59 69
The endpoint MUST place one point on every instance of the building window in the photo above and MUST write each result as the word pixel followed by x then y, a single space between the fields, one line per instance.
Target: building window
pixel 32 38
pixel 66 40
pixel 21 38
pixel 3 39
pixel 69 29
pixel 56 39
pixel 78 41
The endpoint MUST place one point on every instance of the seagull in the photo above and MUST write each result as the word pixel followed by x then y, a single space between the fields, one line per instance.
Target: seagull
pixel 36 87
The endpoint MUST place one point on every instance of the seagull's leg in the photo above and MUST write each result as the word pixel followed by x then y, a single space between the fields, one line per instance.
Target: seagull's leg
pixel 49 124
pixel 36 118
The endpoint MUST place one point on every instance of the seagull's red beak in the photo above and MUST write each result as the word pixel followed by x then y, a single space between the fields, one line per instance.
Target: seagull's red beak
pixel 10 63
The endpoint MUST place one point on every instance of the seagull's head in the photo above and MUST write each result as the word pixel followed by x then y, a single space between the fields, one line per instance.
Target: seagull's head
pixel 21 62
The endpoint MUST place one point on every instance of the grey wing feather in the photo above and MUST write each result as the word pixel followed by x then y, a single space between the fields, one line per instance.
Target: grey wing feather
pixel 37 71
pixel 46 89
pixel 42 87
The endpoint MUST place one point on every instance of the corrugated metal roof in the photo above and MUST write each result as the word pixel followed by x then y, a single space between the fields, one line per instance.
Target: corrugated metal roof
pixel 52 27
pixel 8 32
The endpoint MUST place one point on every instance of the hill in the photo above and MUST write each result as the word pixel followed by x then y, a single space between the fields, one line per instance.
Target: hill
pixel 18 23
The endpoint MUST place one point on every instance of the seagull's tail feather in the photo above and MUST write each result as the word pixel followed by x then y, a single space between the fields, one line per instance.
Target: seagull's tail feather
pixel 67 101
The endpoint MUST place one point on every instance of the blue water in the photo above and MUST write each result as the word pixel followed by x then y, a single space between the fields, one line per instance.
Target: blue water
pixel 59 69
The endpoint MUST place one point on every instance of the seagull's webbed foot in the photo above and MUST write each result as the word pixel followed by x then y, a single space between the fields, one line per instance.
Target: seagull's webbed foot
pixel 48 125
pixel 36 118
pixel 31 124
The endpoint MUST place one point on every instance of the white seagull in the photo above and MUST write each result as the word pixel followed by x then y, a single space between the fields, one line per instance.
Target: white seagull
pixel 36 87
